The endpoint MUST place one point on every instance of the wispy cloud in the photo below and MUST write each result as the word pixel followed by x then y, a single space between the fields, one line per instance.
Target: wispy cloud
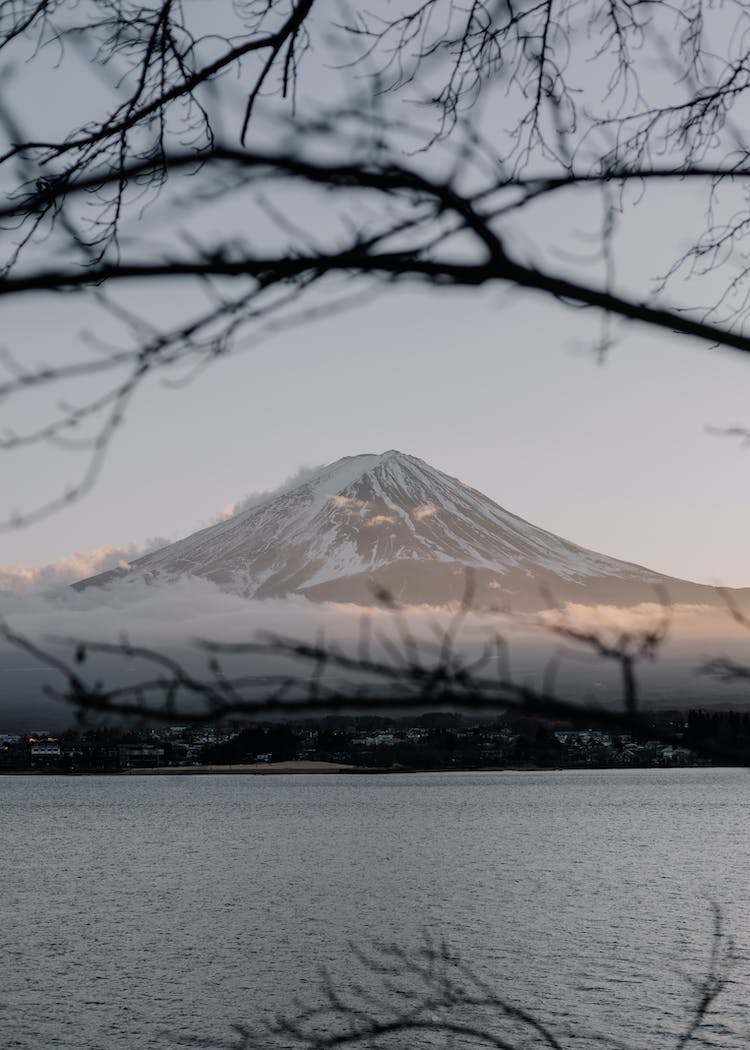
pixel 255 499
pixel 346 502
pixel 616 617
pixel 380 519
pixel 24 579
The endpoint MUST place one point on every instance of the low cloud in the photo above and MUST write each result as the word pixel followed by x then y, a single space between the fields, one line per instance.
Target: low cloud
pixel 426 510
pixel 616 618
pixel 171 617
pixel 26 579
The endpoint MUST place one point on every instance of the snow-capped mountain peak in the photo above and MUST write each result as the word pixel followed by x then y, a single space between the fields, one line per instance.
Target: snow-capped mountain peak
pixel 393 522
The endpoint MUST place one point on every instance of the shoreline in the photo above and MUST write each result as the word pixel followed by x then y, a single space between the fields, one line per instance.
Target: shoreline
pixel 317 769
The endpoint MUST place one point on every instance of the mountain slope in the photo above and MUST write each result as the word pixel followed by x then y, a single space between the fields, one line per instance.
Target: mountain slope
pixel 393 522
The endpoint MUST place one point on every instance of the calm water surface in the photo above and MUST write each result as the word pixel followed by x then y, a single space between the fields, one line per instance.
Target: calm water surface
pixel 139 911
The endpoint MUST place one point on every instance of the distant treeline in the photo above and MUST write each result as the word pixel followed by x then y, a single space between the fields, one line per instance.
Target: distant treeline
pixel 724 735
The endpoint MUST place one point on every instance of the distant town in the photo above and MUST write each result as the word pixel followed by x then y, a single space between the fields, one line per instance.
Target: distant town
pixel 439 741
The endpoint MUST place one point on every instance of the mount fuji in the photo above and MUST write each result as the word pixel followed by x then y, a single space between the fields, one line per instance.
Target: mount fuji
pixel 392 523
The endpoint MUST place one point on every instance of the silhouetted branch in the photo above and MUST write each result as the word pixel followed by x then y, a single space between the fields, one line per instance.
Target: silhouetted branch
pixel 404 200
pixel 626 649
pixel 430 990
pixel 707 990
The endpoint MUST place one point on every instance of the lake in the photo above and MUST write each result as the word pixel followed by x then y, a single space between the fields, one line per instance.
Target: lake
pixel 149 911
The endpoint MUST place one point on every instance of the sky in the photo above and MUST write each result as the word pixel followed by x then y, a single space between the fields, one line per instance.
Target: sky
pixel 503 389
pixel 504 394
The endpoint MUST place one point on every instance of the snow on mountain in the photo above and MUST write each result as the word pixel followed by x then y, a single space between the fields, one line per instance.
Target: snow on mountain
pixel 393 522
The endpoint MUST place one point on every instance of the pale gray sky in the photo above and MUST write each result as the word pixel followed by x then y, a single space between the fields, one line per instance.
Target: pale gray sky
pixel 501 389
pixel 503 392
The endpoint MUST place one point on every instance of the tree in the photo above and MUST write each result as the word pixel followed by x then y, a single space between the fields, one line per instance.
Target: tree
pixel 427 155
